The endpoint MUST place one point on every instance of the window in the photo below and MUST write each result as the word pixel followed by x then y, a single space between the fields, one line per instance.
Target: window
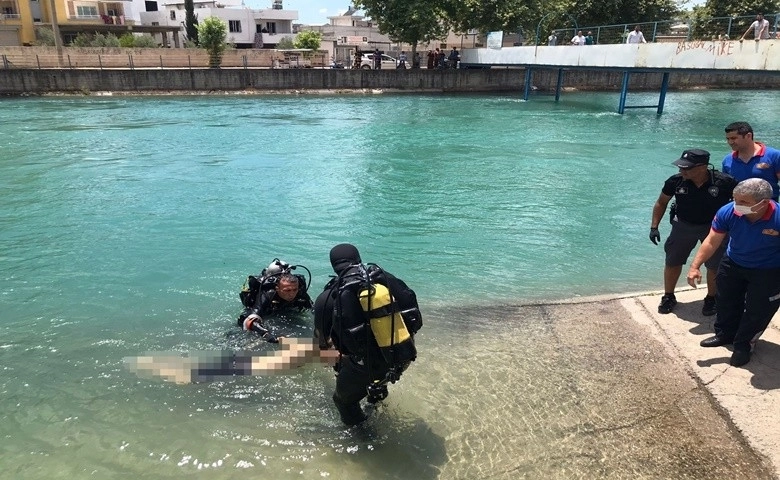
pixel 271 27
pixel 151 6
pixel 173 14
pixel 234 26
pixel 86 11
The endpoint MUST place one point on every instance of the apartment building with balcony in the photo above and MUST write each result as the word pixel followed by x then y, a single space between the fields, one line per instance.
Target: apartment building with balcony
pixel 20 19
pixel 247 28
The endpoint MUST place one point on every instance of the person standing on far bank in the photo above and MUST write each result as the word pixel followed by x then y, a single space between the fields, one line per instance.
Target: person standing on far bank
pixel 749 274
pixel 589 38
pixel 760 29
pixel 751 159
pixel 636 36
pixel 698 193
pixel 401 61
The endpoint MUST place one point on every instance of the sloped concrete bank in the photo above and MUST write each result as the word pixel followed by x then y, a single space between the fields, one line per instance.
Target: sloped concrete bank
pixel 15 82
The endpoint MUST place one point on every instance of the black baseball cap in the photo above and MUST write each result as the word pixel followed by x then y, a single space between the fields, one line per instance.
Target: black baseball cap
pixel 692 158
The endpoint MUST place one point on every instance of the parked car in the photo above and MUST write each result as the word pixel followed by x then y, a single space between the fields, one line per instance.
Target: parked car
pixel 367 62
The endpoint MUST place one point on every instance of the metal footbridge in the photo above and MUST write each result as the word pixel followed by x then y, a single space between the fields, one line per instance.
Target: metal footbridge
pixel 718 56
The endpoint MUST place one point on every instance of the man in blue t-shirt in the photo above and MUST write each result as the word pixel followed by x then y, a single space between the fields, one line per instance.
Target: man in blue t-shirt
pixel 751 159
pixel 748 278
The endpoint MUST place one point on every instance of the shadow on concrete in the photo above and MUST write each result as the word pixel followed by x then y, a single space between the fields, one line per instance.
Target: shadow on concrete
pixel 764 365
pixel 691 312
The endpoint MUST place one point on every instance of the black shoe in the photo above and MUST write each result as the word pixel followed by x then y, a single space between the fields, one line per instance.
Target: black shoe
pixel 715 341
pixel 709 308
pixel 739 358
pixel 668 302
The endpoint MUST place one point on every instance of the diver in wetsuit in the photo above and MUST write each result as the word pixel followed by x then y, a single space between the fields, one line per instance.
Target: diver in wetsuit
pixel 366 362
pixel 276 290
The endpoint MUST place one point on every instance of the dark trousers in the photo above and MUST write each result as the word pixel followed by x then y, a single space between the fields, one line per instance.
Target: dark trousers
pixel 747 300
pixel 352 384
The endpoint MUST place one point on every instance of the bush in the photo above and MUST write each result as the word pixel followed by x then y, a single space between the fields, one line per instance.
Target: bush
pixel 109 40
pixel 285 43
pixel 96 40
pixel 145 41
pixel 127 40
pixel 82 40
pixel 44 37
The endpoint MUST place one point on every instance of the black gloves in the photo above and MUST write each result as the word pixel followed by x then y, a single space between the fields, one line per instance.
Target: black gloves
pixel 270 338
pixel 655 236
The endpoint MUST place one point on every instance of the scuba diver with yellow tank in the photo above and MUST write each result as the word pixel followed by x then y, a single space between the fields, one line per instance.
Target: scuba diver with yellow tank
pixel 276 289
pixel 370 317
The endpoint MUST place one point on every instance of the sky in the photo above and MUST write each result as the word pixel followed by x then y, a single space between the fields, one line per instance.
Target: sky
pixel 310 12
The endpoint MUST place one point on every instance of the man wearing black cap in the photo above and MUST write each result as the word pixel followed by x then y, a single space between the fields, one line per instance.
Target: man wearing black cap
pixel 698 192
pixel 340 322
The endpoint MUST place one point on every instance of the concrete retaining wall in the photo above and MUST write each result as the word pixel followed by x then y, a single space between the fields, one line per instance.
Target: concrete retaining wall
pixel 34 81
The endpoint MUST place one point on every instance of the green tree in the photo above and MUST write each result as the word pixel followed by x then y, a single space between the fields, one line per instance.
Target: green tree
pixel 211 36
pixel 408 21
pixel 493 15
pixel 709 19
pixel 308 39
pixel 610 12
pixel 190 21
pixel 722 8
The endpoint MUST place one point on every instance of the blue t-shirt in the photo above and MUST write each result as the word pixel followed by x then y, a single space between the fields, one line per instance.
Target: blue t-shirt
pixel 765 165
pixel 751 245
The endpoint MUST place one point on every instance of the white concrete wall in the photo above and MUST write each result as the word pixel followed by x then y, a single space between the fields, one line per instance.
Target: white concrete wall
pixel 725 55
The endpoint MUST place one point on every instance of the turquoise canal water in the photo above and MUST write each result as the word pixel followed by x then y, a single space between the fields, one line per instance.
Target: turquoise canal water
pixel 128 225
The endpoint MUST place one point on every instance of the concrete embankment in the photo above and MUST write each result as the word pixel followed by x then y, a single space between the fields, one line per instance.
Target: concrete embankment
pixel 30 81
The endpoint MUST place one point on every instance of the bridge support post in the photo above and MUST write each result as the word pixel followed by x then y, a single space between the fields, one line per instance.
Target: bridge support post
pixel 662 97
pixel 528 77
pixel 559 85
pixel 623 93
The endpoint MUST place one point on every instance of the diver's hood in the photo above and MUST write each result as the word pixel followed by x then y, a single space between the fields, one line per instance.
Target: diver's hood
pixel 343 256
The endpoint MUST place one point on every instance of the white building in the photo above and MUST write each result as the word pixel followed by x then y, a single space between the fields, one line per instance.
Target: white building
pixel 247 28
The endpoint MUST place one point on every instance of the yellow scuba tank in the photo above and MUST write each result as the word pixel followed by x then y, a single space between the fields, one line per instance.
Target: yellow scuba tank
pixel 387 324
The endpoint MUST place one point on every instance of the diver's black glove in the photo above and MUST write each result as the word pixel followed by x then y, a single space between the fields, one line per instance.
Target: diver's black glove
pixel 655 236
pixel 268 337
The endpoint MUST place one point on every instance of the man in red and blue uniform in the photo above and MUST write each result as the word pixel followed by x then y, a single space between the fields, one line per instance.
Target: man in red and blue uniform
pixel 751 159
pixel 748 278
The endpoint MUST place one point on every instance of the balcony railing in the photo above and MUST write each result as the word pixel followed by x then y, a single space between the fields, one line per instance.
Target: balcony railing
pixel 10 16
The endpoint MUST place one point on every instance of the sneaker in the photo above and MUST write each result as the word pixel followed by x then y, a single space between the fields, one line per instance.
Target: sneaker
pixel 710 307
pixel 668 302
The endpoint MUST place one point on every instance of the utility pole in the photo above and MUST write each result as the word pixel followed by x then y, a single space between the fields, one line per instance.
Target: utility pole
pixel 55 27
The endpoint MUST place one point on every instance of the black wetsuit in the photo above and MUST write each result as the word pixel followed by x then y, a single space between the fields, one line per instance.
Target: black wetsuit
pixel 268 302
pixel 339 317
